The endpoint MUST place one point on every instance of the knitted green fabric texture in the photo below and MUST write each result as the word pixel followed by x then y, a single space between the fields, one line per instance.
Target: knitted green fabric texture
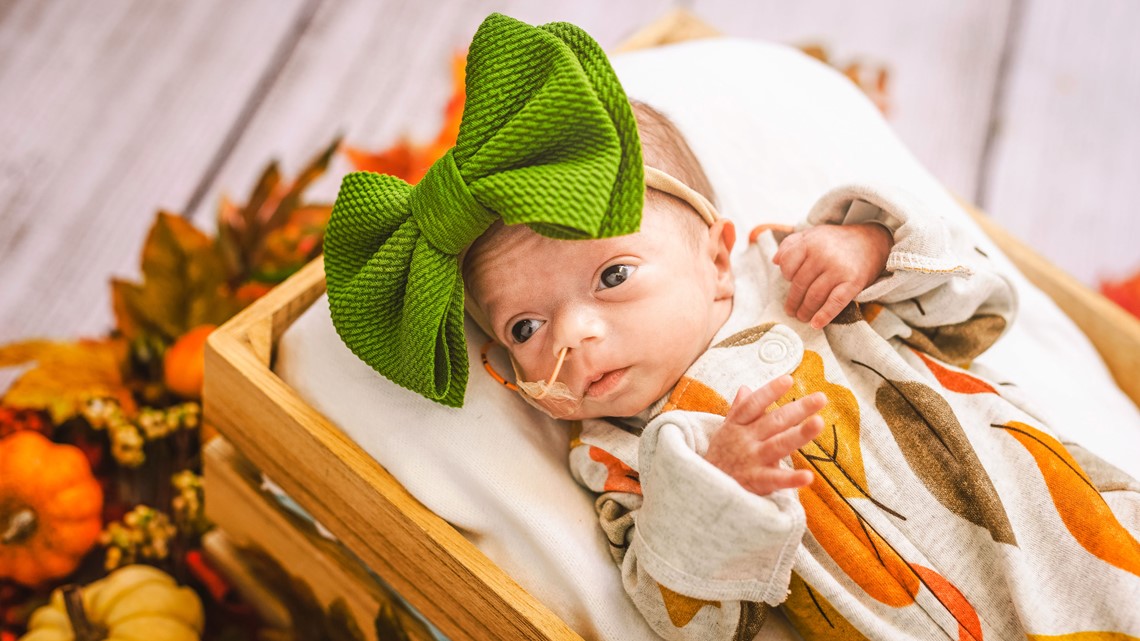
pixel 548 139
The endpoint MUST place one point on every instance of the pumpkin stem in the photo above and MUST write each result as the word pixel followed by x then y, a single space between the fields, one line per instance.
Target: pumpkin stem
pixel 20 526
pixel 83 628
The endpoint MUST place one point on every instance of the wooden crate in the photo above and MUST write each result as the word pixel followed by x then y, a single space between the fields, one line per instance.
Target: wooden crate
pixel 421 556
pixel 251 518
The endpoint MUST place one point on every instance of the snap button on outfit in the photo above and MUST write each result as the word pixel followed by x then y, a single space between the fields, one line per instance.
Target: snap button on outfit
pixel 773 349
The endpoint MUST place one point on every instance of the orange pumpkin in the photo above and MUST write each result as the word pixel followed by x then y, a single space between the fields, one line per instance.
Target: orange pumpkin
pixel 185 361
pixel 50 508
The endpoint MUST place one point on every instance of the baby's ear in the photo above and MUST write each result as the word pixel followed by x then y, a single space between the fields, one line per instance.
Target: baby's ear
pixel 722 237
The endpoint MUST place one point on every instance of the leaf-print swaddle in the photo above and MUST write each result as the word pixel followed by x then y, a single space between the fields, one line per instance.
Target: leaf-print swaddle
pixel 941 507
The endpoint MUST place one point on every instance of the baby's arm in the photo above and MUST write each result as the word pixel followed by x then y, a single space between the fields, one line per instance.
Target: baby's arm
pixel 702 551
pixel 935 275
pixel 827 266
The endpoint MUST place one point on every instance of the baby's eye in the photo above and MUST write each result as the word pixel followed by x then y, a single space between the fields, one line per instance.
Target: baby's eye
pixel 524 329
pixel 615 275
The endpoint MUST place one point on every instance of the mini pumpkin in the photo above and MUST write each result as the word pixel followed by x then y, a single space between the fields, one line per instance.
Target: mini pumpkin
pixel 50 508
pixel 184 363
pixel 133 603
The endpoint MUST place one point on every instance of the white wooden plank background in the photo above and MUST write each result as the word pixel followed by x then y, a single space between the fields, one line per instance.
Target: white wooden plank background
pixel 1065 170
pixel 111 110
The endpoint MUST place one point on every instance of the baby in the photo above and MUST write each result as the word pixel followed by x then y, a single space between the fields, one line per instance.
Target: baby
pixel 803 428
pixel 651 335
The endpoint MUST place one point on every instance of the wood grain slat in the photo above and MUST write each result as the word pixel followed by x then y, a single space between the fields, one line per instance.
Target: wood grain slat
pixel 421 556
pixel 1063 174
pixel 109 111
pixel 942 57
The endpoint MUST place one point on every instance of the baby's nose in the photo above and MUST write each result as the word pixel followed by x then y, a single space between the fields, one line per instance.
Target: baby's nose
pixel 575 328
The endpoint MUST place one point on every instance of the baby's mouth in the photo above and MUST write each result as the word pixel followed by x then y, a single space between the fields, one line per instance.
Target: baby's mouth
pixel 606 383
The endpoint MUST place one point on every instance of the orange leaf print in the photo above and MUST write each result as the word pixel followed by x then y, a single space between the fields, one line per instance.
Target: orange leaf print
pixel 838 446
pixel 954 381
pixel 1082 509
pixel 969 627
pixel 854 546
pixel 694 396
pixel 682 608
pixel 620 477
pixel 1083 636
pixel 814 617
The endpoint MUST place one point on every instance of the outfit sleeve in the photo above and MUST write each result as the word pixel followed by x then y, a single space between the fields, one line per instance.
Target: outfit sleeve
pixel 700 556
pixel 937 280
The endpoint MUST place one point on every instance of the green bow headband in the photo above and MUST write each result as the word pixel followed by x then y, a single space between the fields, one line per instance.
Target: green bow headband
pixel 548 139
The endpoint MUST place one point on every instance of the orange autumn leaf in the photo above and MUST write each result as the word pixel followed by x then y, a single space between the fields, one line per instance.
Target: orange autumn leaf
pixel 969 626
pixel 619 476
pixel 275 232
pixel 681 608
pixel 836 451
pixel 694 396
pixel 410 161
pixel 1082 509
pixel 1125 293
pixel 1090 635
pixel 66 375
pixel 855 547
pixel 954 381
pixel 814 617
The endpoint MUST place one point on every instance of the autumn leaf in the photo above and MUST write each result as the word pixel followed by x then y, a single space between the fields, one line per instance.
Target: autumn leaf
pixel 66 375
pixel 1082 509
pixel 814 617
pixel 1125 293
pixel 410 161
pixel 951 598
pixel 957 343
pixel 619 476
pixel 692 395
pixel 836 450
pixel 859 551
pixel 274 233
pixel 184 284
pixel 955 381
pixel 938 452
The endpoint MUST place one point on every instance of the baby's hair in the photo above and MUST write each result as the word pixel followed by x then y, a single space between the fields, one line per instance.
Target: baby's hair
pixel 663 147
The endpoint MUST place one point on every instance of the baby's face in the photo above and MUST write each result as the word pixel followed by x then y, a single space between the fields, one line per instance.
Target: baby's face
pixel 635 311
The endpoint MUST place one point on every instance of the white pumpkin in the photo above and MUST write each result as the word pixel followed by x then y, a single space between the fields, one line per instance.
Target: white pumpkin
pixel 133 603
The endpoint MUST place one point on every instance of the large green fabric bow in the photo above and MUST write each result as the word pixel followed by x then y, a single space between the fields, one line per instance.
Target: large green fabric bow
pixel 548 139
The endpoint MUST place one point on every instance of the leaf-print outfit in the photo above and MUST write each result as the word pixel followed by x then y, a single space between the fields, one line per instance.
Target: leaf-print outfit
pixel 942 507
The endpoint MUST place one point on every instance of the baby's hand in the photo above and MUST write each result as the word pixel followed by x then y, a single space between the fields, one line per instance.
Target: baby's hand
pixel 753 440
pixel 828 266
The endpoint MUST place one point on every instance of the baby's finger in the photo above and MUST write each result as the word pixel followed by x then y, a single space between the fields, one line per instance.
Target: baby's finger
pixel 752 409
pixel 843 294
pixel 768 480
pixel 816 296
pixel 805 276
pixel 789 415
pixel 783 248
pixel 791 257
pixel 784 443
